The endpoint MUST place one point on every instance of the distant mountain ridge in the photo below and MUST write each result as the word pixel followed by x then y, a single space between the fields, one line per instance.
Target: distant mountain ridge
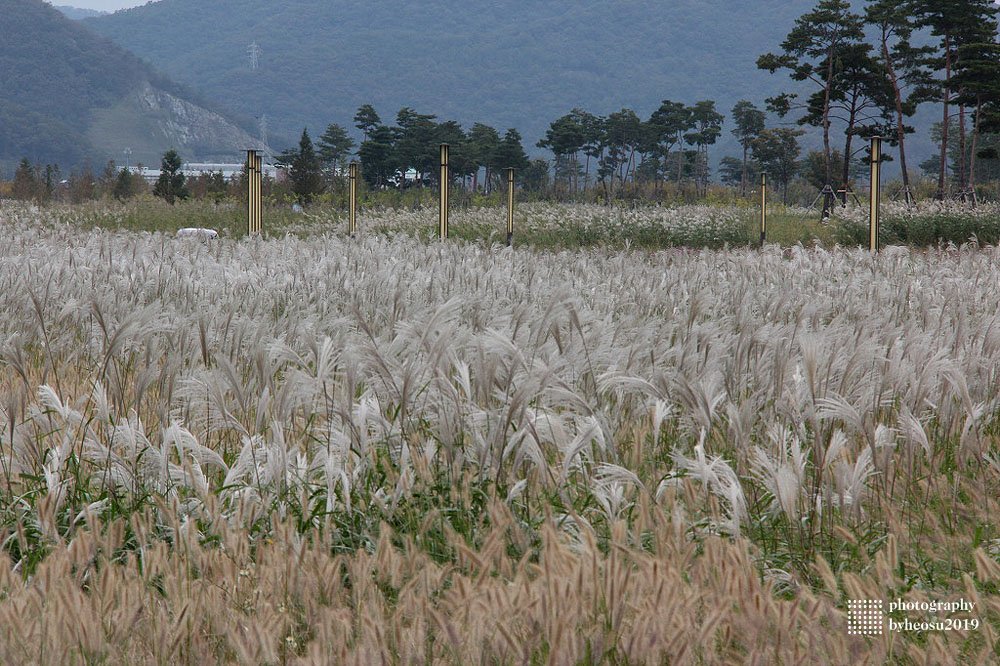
pixel 71 95
pixel 77 13
pixel 506 63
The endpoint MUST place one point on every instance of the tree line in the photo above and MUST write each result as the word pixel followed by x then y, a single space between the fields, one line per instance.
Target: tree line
pixel 864 74
pixel 406 154
pixel 861 74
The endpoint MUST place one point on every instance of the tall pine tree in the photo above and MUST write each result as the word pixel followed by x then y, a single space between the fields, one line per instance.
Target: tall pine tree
pixel 811 52
pixel 957 24
pixel 305 170
pixel 903 63
pixel 170 184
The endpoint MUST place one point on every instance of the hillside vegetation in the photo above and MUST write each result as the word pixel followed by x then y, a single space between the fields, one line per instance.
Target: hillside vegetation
pixel 63 86
pixel 503 63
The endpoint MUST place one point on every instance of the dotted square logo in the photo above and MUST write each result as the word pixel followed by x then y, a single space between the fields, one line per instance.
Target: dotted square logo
pixel 864 617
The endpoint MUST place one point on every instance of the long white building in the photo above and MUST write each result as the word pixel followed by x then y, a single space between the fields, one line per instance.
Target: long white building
pixel 195 169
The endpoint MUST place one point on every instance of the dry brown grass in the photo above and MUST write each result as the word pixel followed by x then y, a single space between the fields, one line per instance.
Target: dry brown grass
pixel 287 599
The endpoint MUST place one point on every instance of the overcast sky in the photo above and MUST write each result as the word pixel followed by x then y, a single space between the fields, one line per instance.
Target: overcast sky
pixel 103 5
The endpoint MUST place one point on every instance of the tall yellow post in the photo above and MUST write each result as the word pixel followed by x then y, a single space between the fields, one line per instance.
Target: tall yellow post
pixel 443 206
pixel 510 205
pixel 763 207
pixel 352 220
pixel 876 173
pixel 254 204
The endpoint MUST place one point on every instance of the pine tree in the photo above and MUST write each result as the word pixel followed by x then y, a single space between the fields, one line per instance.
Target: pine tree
pixel 510 153
pixel 334 147
pixel 667 126
pixel 777 152
pixel 305 170
pixel 378 157
pixel 170 184
pixel 123 185
pixel 483 142
pixel 903 64
pixel 707 128
pixel 749 124
pixel 958 24
pixel 565 138
pixel 366 120
pixel 25 181
pixel 811 52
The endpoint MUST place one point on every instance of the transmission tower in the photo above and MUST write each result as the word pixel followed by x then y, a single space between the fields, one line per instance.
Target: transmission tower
pixel 263 134
pixel 253 51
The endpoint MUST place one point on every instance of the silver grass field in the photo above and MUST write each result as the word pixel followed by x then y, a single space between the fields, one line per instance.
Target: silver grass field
pixel 316 449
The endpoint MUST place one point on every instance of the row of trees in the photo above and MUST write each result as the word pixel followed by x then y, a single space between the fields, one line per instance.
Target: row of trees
pixel 407 154
pixel 43 184
pixel 48 183
pixel 672 145
pixel 623 147
pixel 868 73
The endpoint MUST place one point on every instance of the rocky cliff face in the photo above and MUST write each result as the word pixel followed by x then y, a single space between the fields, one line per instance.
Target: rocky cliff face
pixel 188 126
pixel 68 96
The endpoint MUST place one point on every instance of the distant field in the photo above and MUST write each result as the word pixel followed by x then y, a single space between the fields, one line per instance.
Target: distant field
pixel 308 448
pixel 557 226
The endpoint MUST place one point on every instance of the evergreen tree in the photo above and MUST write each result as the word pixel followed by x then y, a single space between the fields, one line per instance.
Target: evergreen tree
pixel 749 122
pixel 305 170
pixel 366 120
pixel 565 138
pixel 667 127
pixel 707 126
pixel 977 80
pixel 958 24
pixel 593 131
pixel 378 157
pixel 334 147
pixel 623 134
pixel 170 184
pixel 416 143
pixel 903 64
pixel 461 160
pixel 510 153
pixel 123 185
pixel 25 182
pixel 811 52
pixel 738 172
pixel 861 98
pixel 535 176
pixel 777 152
pixel 483 143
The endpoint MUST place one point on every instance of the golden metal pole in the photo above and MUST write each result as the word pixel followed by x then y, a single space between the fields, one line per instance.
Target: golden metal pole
pixel 876 172
pixel 258 205
pixel 763 207
pixel 253 192
pixel 352 223
pixel 249 192
pixel 510 205
pixel 443 206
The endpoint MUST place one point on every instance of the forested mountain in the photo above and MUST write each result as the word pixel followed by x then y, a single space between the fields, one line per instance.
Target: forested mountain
pixel 70 95
pixel 506 63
